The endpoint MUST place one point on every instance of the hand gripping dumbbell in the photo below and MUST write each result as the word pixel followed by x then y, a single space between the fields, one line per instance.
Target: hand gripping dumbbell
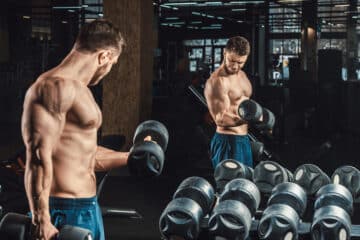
pixel 311 178
pixel 333 207
pixel 146 158
pixel 19 227
pixel 349 177
pixel 228 170
pixel 268 174
pixel 191 202
pixel 252 112
pixel 231 218
pixel 281 218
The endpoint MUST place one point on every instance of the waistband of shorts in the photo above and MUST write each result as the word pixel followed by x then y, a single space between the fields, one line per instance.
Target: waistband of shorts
pixel 231 135
pixel 69 203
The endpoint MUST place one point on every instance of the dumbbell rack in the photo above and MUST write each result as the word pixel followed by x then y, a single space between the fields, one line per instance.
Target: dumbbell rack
pixel 304 228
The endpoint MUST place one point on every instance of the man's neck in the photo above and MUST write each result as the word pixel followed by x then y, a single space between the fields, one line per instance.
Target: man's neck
pixel 77 66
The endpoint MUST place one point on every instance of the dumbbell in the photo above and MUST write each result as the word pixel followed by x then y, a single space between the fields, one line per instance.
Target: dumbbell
pixel 257 150
pixel 311 178
pixel 268 174
pixel 252 111
pixel 146 158
pixel 231 218
pixel 285 207
pixel 191 202
pixel 349 177
pixel 333 207
pixel 19 227
pixel 228 170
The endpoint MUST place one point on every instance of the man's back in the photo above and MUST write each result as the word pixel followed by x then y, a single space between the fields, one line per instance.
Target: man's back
pixel 62 115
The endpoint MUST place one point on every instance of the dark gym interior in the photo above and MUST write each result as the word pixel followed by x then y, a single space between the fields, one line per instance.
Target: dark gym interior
pixel 304 66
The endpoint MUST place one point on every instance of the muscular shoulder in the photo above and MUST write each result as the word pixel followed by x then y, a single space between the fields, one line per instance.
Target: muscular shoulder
pixel 56 94
pixel 216 83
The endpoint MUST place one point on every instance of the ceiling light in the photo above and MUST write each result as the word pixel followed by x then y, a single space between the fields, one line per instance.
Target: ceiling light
pixel 342 5
pixel 213 3
pixel 179 4
pixel 245 2
pixel 26 17
pixel 67 7
pixel 210 27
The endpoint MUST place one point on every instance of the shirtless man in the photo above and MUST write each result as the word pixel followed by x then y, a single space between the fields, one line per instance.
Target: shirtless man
pixel 59 127
pixel 226 88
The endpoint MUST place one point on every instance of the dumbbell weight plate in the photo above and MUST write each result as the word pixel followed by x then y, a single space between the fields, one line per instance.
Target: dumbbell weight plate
pixel 279 221
pixel 197 189
pixel 331 222
pixel 349 177
pixel 290 194
pixel 228 170
pixel 146 159
pixel 74 233
pixel 311 178
pixel 181 218
pixel 230 219
pixel 268 174
pixel 155 129
pixel 334 194
pixel 242 190
pixel 15 226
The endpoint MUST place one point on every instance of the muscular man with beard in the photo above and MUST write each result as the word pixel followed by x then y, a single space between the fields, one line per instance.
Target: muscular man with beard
pixel 226 88
pixel 59 127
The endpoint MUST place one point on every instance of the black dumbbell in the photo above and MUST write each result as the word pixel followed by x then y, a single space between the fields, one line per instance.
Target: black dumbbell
pixel 349 177
pixel 231 218
pixel 146 158
pixel 192 201
pixel 281 218
pixel 268 174
pixel 19 227
pixel 257 150
pixel 311 178
pixel 228 170
pixel 333 207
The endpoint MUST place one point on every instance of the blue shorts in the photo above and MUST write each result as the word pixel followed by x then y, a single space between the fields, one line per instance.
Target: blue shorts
pixel 229 146
pixel 79 212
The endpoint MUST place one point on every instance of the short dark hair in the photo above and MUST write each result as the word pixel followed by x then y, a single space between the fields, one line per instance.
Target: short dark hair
pixel 238 45
pixel 99 34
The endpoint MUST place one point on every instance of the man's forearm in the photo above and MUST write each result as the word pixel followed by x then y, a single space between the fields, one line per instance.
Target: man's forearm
pixel 228 119
pixel 38 179
pixel 107 159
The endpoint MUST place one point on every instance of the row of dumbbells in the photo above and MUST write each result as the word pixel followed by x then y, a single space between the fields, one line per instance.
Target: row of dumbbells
pixel 268 174
pixel 286 202
pixel 232 214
